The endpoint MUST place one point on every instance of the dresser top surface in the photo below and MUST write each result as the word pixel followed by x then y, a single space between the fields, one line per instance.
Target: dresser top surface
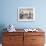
pixel 22 30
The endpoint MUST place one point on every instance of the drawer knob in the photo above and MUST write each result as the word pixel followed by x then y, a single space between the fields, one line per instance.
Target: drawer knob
pixel 11 38
pixel 33 39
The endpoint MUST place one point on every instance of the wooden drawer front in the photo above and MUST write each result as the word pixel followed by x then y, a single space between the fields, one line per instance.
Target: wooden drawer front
pixel 33 33
pixel 12 44
pixel 5 39
pixel 33 40
pixel 27 41
pixel 37 39
pixel 37 45
pixel 12 39
pixel 13 33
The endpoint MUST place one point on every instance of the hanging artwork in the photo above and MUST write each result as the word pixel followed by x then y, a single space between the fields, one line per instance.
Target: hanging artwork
pixel 26 14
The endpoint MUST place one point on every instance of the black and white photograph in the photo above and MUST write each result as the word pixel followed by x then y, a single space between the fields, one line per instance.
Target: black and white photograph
pixel 26 14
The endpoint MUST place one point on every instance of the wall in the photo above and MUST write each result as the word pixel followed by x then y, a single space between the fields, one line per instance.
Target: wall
pixel 9 13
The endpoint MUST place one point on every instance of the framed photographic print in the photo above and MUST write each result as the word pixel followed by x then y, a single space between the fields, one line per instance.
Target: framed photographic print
pixel 26 14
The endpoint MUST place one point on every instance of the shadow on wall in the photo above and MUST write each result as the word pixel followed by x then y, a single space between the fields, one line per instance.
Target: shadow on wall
pixel 2 26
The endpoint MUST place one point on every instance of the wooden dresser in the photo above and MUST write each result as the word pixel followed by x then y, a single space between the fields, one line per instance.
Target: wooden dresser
pixel 23 39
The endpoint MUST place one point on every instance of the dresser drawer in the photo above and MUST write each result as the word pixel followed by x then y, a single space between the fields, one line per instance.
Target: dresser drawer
pixel 34 33
pixel 13 44
pixel 13 33
pixel 37 39
pixel 12 39
pixel 37 44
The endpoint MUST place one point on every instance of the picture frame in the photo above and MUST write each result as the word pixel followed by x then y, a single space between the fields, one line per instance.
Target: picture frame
pixel 26 14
